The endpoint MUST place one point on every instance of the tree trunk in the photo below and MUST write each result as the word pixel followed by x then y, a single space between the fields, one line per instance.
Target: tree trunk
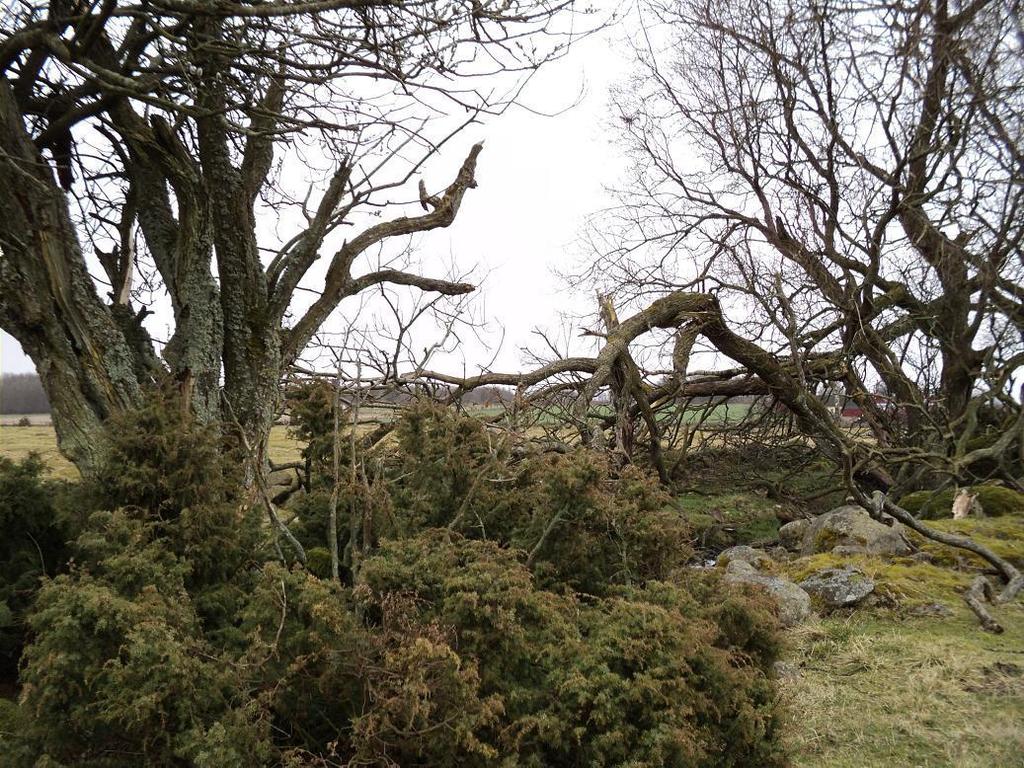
pixel 48 302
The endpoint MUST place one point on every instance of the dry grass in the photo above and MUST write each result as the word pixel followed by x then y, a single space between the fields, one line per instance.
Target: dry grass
pixel 282 447
pixel 880 690
pixel 18 442
pixel 898 688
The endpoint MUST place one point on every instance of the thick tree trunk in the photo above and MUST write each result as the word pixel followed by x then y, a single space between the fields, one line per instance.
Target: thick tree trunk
pixel 48 302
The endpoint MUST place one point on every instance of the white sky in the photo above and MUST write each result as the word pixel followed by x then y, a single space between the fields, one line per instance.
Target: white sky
pixel 539 178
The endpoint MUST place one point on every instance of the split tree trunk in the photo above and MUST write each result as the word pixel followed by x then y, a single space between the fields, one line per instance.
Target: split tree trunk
pixel 48 302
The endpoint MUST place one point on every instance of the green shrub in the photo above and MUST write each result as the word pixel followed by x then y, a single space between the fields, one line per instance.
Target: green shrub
pixel 33 545
pixel 307 654
pixel 589 528
pixel 586 525
pixel 486 593
pixel 447 468
pixel 176 638
pixel 646 677
pixel 119 672
pixel 318 562
pixel 311 413
pixel 648 687
pixel 185 478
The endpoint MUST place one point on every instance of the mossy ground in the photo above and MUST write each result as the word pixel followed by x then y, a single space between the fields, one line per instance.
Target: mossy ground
pixel 1003 535
pixel 900 583
pixel 885 686
pixel 996 501
pixel 894 686
pixel 721 520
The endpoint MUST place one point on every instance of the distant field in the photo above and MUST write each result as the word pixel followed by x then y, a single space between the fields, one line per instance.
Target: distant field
pixel 18 442
pixel 719 415
pixel 37 419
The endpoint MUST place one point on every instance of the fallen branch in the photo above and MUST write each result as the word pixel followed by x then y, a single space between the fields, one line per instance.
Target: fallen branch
pixel 980 590
pixel 881 503
pixel 975 597
pixel 261 485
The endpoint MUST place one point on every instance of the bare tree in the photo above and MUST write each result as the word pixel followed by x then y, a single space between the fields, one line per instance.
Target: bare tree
pixel 160 144
pixel 846 180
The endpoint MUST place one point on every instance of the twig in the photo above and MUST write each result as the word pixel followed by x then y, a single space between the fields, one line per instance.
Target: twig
pixel 543 537
pixel 261 485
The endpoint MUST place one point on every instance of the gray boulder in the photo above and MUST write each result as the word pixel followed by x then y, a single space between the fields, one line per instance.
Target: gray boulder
pixel 786 670
pixel 755 557
pixel 838 587
pixel 851 526
pixel 791 535
pixel 793 603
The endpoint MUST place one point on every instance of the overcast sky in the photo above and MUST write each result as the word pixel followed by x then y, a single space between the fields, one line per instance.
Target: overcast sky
pixel 539 178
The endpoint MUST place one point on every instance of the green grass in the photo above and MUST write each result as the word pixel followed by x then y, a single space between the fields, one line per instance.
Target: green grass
pixel 18 442
pixel 748 517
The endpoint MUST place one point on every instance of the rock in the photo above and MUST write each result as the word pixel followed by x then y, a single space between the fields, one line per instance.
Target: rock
pixel 793 603
pixel 791 535
pixel 281 477
pixel 746 554
pixel 851 526
pixel 846 550
pixel 936 610
pixel 838 587
pixel 786 670
pixel 739 567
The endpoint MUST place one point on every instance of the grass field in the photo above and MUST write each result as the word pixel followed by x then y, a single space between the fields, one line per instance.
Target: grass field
pixel 18 442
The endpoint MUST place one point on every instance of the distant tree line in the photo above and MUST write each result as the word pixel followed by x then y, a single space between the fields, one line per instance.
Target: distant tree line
pixel 22 393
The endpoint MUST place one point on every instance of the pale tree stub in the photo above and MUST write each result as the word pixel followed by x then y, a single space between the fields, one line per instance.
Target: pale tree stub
pixel 966 503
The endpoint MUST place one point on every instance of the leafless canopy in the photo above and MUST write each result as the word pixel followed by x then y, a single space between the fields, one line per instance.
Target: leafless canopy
pixel 830 194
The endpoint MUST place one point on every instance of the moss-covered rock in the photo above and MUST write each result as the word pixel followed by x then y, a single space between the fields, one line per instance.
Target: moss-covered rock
pixel 995 500
pixel 838 587
pixel 851 526
pixel 899 582
pixel 793 603
pixel 791 535
pixel 755 557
